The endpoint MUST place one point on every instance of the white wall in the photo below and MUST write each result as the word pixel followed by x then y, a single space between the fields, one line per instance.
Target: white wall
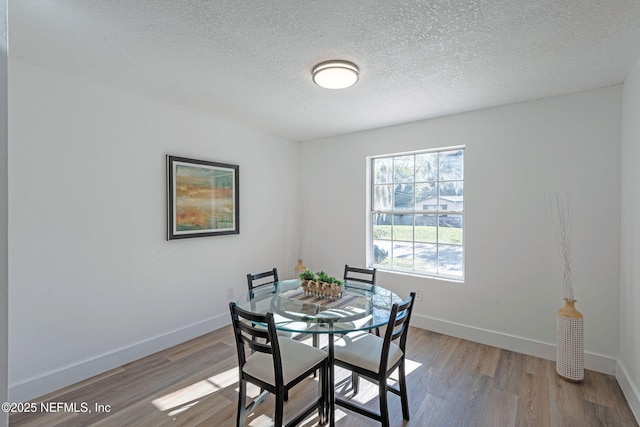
pixel 92 281
pixel 4 352
pixel 629 362
pixel 516 156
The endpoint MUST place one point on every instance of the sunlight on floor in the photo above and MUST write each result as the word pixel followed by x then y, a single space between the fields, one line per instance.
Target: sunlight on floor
pixel 262 421
pixel 265 420
pixel 368 390
pixel 185 397
pixel 183 408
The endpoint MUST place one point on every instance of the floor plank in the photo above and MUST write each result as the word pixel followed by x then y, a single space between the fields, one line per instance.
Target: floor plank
pixel 533 401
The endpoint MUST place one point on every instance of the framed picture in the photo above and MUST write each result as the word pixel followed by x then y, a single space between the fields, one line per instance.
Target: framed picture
pixel 202 198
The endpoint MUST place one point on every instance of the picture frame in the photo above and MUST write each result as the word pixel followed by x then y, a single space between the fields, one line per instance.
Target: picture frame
pixel 202 198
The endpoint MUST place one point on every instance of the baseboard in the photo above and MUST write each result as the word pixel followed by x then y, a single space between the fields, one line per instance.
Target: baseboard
pixel 67 375
pixel 630 389
pixel 592 361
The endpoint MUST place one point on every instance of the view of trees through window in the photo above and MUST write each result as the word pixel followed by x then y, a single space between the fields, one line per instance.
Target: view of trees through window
pixel 417 212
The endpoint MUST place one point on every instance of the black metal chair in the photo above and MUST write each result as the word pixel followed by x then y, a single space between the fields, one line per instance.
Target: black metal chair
pixel 262 279
pixel 357 275
pixel 375 358
pixel 276 364
pixel 258 280
pixel 362 275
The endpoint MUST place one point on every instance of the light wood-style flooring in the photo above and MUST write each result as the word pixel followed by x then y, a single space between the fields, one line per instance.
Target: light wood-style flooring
pixel 452 382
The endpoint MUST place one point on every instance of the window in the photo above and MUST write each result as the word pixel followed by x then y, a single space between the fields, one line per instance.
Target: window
pixel 417 213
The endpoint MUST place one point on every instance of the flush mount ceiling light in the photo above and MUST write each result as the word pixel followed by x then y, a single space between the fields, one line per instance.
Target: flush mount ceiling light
pixel 335 74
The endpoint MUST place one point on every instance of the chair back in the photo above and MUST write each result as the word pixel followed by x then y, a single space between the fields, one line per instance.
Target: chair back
pixel 262 279
pixel 397 328
pixel 362 275
pixel 249 333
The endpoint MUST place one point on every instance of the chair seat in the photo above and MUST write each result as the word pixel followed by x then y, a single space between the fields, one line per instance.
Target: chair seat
pixel 283 321
pixel 364 349
pixel 354 324
pixel 296 359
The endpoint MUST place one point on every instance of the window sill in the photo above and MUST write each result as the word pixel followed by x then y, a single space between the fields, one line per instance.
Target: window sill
pixel 451 279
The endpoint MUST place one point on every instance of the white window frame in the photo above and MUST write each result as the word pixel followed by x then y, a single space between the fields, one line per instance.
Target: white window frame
pixel 371 212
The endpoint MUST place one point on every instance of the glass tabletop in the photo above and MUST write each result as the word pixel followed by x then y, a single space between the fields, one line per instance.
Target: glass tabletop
pixel 361 306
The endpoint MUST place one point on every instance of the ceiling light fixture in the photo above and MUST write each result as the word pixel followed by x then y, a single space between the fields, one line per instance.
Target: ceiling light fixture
pixel 335 74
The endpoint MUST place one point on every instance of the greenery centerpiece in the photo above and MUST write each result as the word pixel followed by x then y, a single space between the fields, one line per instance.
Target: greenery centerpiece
pixel 320 284
pixel 306 277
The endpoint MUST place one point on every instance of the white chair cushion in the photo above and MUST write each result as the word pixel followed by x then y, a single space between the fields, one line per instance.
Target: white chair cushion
pixel 354 324
pixel 283 321
pixel 365 350
pixel 296 359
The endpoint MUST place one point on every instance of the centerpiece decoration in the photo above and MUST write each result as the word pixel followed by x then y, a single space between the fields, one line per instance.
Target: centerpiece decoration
pixel 320 284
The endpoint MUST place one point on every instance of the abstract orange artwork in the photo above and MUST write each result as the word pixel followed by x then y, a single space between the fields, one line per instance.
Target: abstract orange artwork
pixel 202 198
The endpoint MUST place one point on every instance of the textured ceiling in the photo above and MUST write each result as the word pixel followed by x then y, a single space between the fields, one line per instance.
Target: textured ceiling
pixel 250 61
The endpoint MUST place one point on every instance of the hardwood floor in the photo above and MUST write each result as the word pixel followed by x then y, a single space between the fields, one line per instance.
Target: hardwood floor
pixel 452 382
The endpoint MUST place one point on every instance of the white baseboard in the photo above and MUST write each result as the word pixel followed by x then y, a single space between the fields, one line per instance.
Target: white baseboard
pixel 630 389
pixel 38 386
pixel 592 361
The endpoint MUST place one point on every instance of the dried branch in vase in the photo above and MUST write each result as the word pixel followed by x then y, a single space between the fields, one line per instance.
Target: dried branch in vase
pixel 560 212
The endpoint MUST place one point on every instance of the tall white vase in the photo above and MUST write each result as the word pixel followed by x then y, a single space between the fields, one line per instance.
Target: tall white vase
pixel 570 342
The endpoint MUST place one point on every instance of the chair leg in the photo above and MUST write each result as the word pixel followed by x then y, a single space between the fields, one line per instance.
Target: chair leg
pixel 315 339
pixel 286 395
pixel 279 415
pixel 322 391
pixel 327 390
pixel 403 392
pixel 384 407
pixel 242 403
pixel 355 380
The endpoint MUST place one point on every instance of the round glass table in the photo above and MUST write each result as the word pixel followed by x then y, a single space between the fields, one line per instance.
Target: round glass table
pixel 360 307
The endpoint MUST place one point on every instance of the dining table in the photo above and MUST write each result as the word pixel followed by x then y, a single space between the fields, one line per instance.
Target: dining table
pixel 298 311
